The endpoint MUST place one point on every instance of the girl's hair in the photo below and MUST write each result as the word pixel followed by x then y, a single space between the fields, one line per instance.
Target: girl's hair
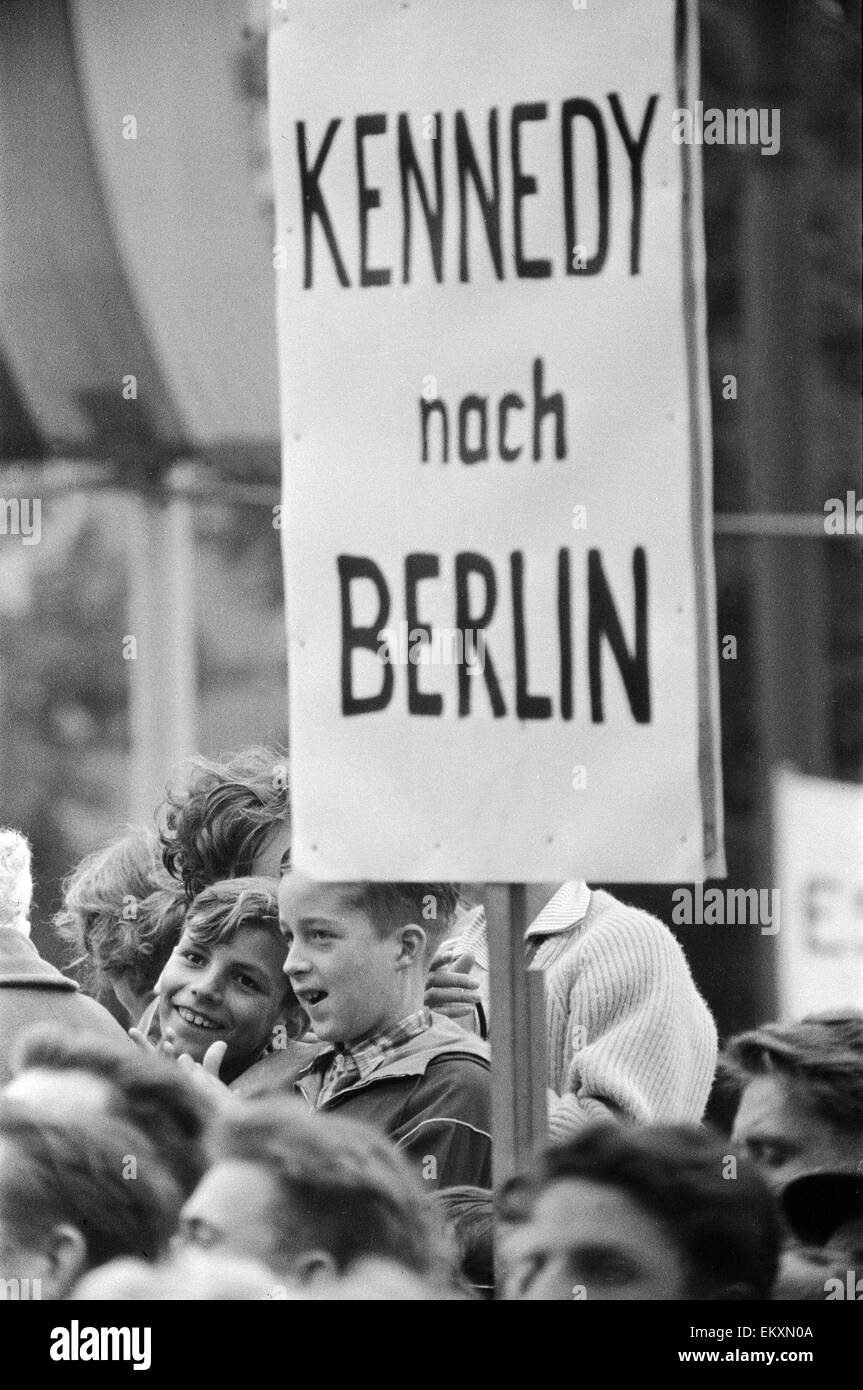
pixel 220 910
pixel 16 882
pixel 217 823
pixel 122 915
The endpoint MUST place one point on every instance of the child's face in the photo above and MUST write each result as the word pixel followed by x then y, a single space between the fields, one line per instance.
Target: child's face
pixel 232 991
pixel 346 977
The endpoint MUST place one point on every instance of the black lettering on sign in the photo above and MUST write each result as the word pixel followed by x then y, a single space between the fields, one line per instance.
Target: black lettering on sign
pixel 409 169
pixel 354 638
pixel 527 706
pixel 635 150
pixel 368 198
pixel 604 622
pixel 468 168
pixel 473 423
pixel 466 646
pixel 313 203
pixel 417 567
pixel 523 185
pixel 564 633
pixel 468 563
pixel 460 179
pixel 569 111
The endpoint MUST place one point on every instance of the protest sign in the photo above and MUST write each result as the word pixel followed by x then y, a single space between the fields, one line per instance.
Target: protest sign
pixel 496 468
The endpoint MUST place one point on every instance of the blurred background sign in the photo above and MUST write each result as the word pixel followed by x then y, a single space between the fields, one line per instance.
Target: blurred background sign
pixel 819 856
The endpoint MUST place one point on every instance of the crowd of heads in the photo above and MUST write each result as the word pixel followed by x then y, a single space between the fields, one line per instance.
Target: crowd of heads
pixel 132 1172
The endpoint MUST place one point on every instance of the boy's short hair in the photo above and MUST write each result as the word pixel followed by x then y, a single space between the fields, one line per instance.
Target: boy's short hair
pixel 389 906
pixel 78 1173
pixel 727 1231
pixel 819 1059
pixel 216 825
pixel 344 1187
pixel 220 910
pixel 145 1091
pixel 122 914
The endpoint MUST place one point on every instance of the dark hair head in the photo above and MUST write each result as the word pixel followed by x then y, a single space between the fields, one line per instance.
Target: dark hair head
pixel 145 1091
pixel 344 1188
pixel 122 914
pixel 819 1059
pixel 470 1214
pixel 389 906
pixel 97 1175
pixel 216 825
pixel 723 1219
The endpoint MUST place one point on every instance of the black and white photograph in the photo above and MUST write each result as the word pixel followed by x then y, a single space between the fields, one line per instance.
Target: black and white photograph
pixel 431 669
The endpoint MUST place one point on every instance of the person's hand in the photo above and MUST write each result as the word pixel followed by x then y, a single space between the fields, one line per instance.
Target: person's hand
pixel 450 988
pixel 204 1074
pixel 163 1048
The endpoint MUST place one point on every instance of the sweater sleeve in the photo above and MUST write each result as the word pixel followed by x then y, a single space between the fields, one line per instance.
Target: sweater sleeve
pixel 635 1036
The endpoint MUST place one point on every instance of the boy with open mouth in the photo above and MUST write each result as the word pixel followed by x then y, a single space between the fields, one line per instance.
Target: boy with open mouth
pixel 358 959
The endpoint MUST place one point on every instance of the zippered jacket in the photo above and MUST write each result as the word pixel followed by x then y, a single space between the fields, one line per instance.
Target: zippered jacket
pixel 432 1096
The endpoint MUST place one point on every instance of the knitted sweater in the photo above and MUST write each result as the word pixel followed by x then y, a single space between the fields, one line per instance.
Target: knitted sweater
pixel 628 1035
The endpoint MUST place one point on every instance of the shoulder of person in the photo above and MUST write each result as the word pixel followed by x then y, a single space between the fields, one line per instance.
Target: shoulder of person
pixel 458 1086
pixel 97 1016
pixel 446 1038
pixel 608 917
pixel 277 1071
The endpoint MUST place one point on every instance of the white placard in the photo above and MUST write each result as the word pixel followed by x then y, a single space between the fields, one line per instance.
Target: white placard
pixel 818 828
pixel 488 269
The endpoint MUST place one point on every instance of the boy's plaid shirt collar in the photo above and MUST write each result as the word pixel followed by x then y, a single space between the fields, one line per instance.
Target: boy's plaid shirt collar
pixel 344 1067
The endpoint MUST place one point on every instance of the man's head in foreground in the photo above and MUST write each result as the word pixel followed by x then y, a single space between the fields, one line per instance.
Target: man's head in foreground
pixel 75 1194
pixel 645 1214
pixel 359 953
pixel 310 1195
pixel 801 1095
pixel 73 1077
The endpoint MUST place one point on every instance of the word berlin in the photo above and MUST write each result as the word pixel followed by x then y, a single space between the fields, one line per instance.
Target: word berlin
pixel 458 161
pixel 476 586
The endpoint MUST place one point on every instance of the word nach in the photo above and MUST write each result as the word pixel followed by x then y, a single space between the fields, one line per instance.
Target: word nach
pixel 473 408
